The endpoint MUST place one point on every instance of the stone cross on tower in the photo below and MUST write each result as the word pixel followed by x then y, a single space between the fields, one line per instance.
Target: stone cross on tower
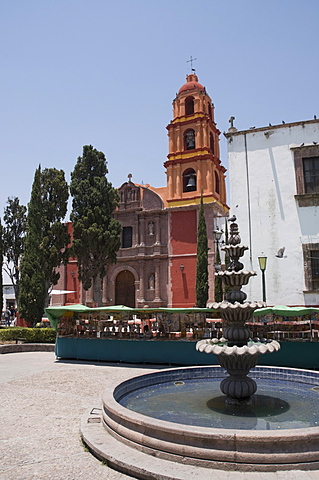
pixel 191 62
pixel 232 128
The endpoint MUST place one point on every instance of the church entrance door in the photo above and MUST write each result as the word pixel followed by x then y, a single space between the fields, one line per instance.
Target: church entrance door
pixel 125 289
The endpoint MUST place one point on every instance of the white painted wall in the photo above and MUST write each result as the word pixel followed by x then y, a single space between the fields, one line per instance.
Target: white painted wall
pixel 262 188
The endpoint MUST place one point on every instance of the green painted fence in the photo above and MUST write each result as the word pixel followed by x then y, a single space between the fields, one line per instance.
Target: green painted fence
pixel 292 354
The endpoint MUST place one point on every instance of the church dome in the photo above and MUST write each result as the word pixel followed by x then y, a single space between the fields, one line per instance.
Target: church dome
pixel 191 84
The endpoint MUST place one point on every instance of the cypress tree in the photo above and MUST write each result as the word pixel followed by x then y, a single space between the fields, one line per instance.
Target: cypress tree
pixel 45 242
pixel 202 259
pixel 96 233
pixel 32 284
pixel 218 296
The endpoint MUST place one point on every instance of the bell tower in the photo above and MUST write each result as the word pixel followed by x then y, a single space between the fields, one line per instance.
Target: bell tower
pixel 193 169
pixel 193 166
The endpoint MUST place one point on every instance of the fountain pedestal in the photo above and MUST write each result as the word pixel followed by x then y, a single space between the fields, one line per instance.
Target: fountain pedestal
pixel 236 352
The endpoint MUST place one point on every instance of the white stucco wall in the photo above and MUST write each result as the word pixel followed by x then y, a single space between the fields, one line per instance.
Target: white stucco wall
pixel 262 188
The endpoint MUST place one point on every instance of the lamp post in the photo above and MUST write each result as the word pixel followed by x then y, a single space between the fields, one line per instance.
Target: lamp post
pixel 262 259
pixel 218 295
pixel 217 235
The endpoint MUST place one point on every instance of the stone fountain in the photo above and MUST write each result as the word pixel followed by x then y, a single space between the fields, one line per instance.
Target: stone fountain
pixel 236 351
pixel 172 424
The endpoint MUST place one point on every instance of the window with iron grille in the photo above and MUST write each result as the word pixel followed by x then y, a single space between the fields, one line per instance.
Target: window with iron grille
pixel 311 263
pixel 315 269
pixel 306 160
pixel 311 174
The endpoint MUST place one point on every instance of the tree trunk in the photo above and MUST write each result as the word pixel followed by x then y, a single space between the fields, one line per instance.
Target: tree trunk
pixel 47 295
pixel 97 290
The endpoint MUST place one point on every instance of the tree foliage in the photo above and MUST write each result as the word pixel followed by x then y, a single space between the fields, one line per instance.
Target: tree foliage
pixel 45 243
pixel 14 229
pixel 32 285
pixel 218 295
pixel 96 233
pixel 202 260
pixel 54 200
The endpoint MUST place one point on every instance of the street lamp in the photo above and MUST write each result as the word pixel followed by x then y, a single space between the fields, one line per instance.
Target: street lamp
pixel 262 259
pixel 218 287
pixel 217 235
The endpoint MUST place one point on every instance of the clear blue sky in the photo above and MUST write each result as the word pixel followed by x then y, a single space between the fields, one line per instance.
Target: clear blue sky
pixel 100 72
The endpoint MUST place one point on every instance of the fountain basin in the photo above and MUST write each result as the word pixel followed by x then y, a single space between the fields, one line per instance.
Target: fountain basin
pixel 233 278
pixel 253 348
pixel 212 447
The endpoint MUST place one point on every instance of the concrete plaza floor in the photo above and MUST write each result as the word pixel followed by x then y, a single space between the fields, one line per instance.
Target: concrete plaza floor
pixel 42 402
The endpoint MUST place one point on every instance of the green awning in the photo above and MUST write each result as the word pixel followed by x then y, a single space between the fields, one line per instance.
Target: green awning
pixel 284 311
pixel 53 313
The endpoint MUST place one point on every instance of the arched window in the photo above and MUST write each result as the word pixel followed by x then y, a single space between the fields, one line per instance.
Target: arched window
pixel 189 106
pixel 189 180
pixel 217 183
pixel 211 143
pixel 189 139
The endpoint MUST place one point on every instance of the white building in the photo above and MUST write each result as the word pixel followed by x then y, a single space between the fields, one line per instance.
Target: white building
pixel 274 192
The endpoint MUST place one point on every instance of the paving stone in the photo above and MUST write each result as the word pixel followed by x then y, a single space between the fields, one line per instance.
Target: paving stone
pixel 42 402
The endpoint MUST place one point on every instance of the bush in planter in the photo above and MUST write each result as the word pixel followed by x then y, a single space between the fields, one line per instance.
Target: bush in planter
pixel 32 335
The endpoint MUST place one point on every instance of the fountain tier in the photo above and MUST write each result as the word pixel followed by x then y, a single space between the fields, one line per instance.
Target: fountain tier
pixel 236 352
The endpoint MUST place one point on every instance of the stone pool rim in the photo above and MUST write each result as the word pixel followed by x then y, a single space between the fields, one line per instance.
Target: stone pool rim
pixel 204 445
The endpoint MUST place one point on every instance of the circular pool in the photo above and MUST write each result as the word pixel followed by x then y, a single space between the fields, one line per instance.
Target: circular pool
pixel 180 414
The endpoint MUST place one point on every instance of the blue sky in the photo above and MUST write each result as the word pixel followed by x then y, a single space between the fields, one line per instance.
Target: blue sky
pixel 100 72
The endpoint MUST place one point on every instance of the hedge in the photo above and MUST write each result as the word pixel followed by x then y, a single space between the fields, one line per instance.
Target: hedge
pixel 30 335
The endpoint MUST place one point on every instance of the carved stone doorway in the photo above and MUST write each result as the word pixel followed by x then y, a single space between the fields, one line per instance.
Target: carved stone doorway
pixel 125 289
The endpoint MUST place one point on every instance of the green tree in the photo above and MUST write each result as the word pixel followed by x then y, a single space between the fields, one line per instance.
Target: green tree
pixel 32 283
pixel 96 233
pixel 218 296
pixel 202 259
pixel 14 229
pixel 54 200
pixel 45 243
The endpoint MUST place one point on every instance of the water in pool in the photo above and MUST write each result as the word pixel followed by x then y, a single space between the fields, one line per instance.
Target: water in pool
pixel 276 405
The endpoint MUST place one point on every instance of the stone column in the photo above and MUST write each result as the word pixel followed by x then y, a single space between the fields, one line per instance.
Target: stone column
pixel 170 181
pixel 209 176
pixel 170 141
pixel 179 139
pixel 157 230
pixel 199 176
pixel 199 135
pixel 142 230
pixel 157 298
pixel 142 284
pixel 178 180
pixel 205 134
pixel 135 232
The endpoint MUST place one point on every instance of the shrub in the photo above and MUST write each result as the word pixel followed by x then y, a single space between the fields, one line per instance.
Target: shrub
pixel 31 335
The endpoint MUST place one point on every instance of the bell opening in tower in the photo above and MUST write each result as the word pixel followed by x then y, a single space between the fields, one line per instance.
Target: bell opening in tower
pixel 189 180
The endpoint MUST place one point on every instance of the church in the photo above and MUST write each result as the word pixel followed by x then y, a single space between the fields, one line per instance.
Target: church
pixel 156 264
